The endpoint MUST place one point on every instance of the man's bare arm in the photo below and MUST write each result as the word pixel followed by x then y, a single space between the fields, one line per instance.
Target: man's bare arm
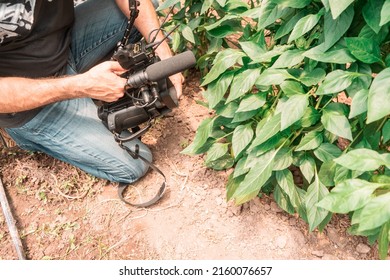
pixel 101 82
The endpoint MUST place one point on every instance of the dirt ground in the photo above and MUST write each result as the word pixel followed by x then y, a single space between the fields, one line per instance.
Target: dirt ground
pixel 63 213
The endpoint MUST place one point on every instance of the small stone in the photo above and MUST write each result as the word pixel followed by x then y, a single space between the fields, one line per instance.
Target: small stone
pixel 319 254
pixel 362 248
pixel 267 207
pixel 254 207
pixel 234 210
pixel 335 237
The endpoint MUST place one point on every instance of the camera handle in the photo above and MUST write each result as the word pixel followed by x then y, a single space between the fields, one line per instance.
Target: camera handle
pixel 133 136
pixel 133 4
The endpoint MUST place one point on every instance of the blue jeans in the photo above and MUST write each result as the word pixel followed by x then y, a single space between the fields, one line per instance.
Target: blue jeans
pixel 71 130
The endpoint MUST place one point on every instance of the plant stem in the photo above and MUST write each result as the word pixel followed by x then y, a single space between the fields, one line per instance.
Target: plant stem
pixel 296 134
pixel 226 135
pixel 327 103
pixel 382 123
pixel 353 141
pixel 276 99
pixel 318 102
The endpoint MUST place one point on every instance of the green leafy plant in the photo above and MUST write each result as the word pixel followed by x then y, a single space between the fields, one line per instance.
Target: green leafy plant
pixel 304 88
pixel 197 25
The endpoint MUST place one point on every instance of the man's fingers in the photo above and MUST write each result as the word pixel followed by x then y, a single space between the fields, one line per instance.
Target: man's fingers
pixel 115 67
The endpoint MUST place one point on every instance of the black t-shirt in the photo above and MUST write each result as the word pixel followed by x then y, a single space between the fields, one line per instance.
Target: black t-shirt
pixel 34 43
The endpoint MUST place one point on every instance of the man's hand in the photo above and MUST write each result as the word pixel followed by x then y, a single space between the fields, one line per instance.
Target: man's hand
pixel 103 82
pixel 177 81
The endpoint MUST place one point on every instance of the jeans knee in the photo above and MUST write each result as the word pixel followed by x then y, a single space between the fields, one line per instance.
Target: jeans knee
pixel 134 169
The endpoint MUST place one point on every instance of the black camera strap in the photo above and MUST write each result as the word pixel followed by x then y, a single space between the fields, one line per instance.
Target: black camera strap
pixel 123 186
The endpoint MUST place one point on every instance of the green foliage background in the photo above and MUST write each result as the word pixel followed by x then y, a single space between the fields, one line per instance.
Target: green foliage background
pixel 274 71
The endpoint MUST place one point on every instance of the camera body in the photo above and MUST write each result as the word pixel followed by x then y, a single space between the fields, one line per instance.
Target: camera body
pixel 144 100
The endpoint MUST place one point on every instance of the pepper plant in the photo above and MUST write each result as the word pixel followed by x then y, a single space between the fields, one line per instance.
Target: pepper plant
pixel 305 87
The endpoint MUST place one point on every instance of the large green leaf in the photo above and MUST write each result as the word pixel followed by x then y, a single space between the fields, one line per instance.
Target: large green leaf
pixel 293 110
pixel 315 193
pixel 202 134
pixel 364 49
pixel 372 14
pixel 304 25
pixel 252 49
pixel 234 6
pixel 337 123
pixel 307 168
pixel 369 217
pixel 385 13
pixel 215 91
pixel 310 117
pixel 223 61
pixel 285 180
pixel 290 87
pixel 255 178
pixel 309 78
pixel 232 185
pixel 266 57
pixel 359 103
pixel 282 199
pixel 240 168
pixel 224 27
pixel 222 163
pixel 327 173
pixel 337 81
pixel 257 150
pixel 327 152
pixel 242 136
pixel 266 128
pixel 227 110
pixel 337 54
pixel 269 12
pixel 283 159
pixel 362 160
pixel 349 195
pixel 240 117
pixel 273 77
pixel 220 22
pixel 342 173
pixel 222 31
pixel 252 102
pixel 242 83
pixel 310 141
pixel 206 5
pixel 338 6
pixel 334 29
pixel 378 97
pixel 188 34
pixel 289 59
pixel 289 25
pixel 167 4
pixel 216 151
pixel 383 241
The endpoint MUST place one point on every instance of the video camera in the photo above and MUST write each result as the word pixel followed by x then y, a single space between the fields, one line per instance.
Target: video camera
pixel 148 91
